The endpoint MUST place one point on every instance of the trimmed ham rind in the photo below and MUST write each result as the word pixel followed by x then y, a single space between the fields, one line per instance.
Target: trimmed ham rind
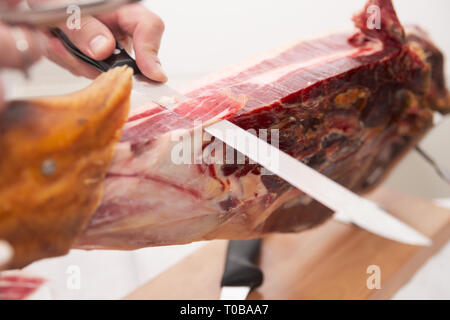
pixel 349 105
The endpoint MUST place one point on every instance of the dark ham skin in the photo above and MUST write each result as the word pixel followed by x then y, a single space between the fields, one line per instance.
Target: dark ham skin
pixel 349 105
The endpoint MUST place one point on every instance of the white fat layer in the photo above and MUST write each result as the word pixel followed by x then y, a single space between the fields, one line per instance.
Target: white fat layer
pixel 139 121
pixel 236 68
pixel 277 73
pixel 230 71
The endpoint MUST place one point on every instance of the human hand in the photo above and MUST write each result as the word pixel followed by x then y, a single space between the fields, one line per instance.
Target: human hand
pixel 97 39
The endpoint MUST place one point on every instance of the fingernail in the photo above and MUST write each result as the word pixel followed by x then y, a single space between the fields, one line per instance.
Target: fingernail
pixel 98 45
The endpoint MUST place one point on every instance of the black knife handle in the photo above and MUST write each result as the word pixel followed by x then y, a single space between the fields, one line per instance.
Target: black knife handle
pixel 119 57
pixel 240 267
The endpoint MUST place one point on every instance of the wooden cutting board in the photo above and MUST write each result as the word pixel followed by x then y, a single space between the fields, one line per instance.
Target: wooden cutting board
pixel 328 262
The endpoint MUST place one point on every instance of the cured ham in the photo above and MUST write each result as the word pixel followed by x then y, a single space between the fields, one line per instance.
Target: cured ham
pixel 349 105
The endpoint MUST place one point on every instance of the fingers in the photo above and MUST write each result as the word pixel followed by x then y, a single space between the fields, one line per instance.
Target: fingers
pixel 20 47
pixel 94 38
pixel 146 29
pixel 56 52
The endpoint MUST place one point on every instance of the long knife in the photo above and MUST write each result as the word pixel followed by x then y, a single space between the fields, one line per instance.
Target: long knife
pixel 362 212
pixel 359 211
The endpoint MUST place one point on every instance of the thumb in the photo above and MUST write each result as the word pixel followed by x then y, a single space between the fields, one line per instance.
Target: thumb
pixel 146 29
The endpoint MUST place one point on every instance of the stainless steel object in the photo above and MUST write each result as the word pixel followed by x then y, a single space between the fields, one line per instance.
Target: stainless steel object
pixel 360 211
pixel 146 90
pixel 49 15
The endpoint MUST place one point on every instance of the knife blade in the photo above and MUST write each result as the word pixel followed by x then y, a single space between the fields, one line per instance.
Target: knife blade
pixel 145 90
pixel 241 274
pixel 360 211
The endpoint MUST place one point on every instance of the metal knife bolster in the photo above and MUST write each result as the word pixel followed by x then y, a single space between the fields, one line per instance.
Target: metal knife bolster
pixel 146 90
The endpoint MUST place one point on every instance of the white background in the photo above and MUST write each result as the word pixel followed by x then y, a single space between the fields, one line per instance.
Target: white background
pixel 203 36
